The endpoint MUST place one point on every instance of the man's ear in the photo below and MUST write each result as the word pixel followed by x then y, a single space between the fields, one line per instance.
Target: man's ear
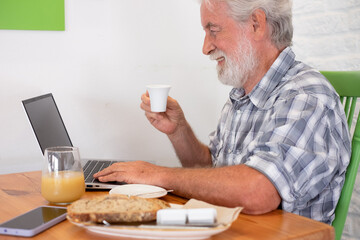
pixel 258 21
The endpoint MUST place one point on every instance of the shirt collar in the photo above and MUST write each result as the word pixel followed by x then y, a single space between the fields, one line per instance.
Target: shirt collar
pixel 237 95
pixel 261 92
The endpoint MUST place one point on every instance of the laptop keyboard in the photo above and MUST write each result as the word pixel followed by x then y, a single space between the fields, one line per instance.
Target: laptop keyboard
pixel 92 167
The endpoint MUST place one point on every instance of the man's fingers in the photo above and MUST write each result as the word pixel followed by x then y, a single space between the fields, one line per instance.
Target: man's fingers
pixel 145 103
pixel 101 173
pixel 107 171
pixel 145 99
pixel 172 103
pixel 154 116
pixel 115 176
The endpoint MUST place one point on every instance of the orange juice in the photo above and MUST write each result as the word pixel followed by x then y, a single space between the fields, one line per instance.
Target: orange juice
pixel 63 186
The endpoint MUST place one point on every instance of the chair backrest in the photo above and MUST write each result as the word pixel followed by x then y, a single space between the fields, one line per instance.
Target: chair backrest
pixel 347 85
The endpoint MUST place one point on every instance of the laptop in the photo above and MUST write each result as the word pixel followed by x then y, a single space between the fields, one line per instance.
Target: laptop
pixel 50 131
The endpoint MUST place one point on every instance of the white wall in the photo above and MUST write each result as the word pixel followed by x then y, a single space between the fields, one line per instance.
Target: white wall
pixel 97 70
pixel 327 33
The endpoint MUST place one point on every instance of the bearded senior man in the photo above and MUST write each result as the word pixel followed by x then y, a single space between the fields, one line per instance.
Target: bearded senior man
pixel 282 140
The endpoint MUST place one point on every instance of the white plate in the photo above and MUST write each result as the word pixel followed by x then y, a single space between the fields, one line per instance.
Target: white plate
pixel 148 232
pixel 141 190
pixel 178 234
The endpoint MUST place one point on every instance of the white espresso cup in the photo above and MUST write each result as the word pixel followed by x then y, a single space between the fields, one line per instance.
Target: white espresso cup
pixel 158 97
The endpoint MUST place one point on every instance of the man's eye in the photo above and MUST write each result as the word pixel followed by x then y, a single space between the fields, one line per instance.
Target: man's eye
pixel 214 31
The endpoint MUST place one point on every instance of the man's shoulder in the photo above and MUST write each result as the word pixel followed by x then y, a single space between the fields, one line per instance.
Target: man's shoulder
pixel 302 79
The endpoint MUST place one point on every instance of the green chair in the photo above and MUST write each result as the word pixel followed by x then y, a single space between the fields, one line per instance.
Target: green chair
pixel 347 85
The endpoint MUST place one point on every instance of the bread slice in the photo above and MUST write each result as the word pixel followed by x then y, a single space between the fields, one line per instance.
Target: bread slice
pixel 115 208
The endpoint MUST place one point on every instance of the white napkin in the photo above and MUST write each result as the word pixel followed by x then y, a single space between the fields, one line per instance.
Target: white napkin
pixel 225 215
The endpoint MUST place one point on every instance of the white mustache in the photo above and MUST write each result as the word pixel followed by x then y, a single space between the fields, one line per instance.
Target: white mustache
pixel 216 55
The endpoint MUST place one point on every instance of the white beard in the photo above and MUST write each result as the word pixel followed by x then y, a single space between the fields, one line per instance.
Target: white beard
pixel 235 72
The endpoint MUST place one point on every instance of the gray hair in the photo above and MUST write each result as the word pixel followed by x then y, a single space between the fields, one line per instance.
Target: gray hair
pixel 278 16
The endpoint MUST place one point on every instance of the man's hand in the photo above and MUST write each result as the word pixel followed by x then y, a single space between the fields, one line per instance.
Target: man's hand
pixel 131 172
pixel 189 149
pixel 167 122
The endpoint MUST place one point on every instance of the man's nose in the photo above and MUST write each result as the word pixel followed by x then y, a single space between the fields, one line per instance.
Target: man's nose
pixel 208 46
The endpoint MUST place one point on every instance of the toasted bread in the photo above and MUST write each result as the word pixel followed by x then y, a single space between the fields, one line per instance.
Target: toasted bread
pixel 115 208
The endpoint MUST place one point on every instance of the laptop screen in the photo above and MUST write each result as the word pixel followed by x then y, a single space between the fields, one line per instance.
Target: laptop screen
pixel 46 122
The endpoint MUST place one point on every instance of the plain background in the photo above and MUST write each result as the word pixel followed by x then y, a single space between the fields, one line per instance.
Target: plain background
pixel 97 70
pixel 99 66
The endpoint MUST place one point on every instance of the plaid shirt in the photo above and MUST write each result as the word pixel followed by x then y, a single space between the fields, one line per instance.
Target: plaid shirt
pixel 292 128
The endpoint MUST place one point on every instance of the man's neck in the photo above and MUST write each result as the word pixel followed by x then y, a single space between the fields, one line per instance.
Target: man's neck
pixel 266 57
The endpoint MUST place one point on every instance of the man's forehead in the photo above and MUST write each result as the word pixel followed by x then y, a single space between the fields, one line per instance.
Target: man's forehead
pixel 213 14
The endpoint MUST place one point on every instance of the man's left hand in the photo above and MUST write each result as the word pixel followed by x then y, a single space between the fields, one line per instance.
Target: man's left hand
pixel 131 172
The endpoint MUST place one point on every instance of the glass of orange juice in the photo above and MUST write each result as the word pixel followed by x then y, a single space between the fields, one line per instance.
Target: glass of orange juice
pixel 62 180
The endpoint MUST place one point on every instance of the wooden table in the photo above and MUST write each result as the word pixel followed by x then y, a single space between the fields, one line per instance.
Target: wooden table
pixel 20 192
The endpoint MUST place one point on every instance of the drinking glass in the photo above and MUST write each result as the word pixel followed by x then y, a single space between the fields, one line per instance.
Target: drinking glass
pixel 62 180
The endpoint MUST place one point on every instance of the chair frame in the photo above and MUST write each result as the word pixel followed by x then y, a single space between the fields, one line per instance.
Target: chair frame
pixel 347 85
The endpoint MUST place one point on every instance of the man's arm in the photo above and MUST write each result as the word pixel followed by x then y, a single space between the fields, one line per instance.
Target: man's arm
pixel 188 148
pixel 230 186
pixel 190 151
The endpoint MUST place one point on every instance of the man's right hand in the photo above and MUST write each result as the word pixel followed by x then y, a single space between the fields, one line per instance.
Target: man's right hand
pixel 189 149
pixel 167 122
